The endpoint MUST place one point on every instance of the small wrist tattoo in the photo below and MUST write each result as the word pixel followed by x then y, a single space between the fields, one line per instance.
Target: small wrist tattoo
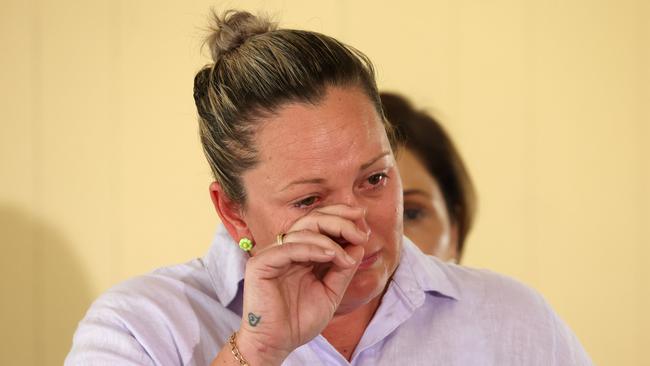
pixel 253 319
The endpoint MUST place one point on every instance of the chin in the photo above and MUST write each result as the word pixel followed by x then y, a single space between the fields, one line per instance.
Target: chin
pixel 364 287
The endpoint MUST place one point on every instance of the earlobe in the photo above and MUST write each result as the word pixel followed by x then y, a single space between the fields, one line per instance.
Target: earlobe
pixel 229 212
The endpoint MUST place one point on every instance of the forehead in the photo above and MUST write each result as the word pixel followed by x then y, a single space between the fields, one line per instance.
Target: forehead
pixel 342 128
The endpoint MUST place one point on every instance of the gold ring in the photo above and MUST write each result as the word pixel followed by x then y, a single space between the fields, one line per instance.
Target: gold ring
pixel 279 239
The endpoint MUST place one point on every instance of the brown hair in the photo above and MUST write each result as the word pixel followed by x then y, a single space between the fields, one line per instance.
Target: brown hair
pixel 256 69
pixel 422 134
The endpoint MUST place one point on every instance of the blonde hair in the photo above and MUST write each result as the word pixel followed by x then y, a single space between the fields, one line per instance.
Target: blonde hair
pixel 256 69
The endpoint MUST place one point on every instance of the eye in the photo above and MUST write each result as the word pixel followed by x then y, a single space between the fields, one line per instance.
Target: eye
pixel 378 179
pixel 306 202
pixel 413 213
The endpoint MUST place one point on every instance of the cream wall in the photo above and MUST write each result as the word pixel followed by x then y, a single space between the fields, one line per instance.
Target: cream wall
pixel 102 176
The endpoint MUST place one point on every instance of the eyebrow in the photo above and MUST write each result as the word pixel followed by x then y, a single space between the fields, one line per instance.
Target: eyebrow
pixel 364 166
pixel 409 192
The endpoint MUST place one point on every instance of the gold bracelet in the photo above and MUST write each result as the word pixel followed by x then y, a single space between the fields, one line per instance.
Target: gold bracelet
pixel 235 351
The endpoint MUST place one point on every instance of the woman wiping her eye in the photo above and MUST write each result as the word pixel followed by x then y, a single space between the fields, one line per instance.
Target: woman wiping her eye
pixel 311 266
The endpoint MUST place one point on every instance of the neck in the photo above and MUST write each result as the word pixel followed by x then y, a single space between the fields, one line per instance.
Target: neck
pixel 344 331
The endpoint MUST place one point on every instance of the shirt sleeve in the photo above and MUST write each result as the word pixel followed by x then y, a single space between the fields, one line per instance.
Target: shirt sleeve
pixel 147 320
pixel 103 341
pixel 566 346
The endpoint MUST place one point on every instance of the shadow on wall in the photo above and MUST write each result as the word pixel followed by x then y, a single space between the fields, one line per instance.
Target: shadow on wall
pixel 44 290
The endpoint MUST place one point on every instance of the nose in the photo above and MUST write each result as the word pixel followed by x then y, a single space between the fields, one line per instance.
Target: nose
pixel 362 224
pixel 351 200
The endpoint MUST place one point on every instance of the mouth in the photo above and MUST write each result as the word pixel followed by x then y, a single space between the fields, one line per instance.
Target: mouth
pixel 369 260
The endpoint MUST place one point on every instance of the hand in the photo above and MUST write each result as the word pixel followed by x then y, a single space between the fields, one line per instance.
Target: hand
pixel 286 302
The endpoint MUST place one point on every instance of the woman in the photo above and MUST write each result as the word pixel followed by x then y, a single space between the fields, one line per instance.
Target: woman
pixel 306 184
pixel 439 197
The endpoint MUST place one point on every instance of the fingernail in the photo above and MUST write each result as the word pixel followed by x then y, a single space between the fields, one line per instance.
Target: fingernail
pixel 329 252
pixel 349 259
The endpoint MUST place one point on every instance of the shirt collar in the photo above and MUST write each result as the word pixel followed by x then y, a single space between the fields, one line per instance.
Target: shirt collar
pixel 417 272
pixel 226 264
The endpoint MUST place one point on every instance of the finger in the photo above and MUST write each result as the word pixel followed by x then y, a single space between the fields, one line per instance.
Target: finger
pixel 333 226
pixel 337 279
pixel 274 260
pixel 345 211
pixel 342 258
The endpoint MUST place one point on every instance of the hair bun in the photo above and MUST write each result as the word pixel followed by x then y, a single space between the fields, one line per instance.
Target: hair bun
pixel 233 28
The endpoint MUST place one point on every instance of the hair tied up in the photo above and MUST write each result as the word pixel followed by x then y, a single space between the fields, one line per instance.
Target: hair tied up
pixel 233 28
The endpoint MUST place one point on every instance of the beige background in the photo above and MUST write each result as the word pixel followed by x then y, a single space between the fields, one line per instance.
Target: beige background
pixel 102 177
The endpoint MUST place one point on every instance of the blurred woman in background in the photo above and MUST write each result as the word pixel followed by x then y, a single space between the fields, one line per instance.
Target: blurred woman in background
pixel 439 197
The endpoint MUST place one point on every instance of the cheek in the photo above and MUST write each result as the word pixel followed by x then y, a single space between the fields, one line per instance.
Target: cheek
pixel 263 225
pixel 266 221
pixel 385 215
pixel 424 233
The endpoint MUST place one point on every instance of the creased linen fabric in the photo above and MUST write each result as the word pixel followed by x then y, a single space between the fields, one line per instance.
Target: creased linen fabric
pixel 433 313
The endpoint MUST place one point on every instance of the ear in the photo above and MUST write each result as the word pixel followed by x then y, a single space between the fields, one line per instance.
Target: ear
pixel 229 212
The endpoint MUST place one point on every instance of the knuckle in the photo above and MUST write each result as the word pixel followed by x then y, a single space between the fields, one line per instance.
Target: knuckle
pixel 287 248
pixel 304 232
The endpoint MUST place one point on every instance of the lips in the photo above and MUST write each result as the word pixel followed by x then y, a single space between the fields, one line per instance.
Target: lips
pixel 369 260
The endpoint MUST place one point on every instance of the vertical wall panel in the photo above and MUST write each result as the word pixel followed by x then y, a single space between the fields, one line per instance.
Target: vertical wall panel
pixel 17 220
pixel 642 249
pixel 415 55
pixel 494 132
pixel 73 136
pixel 587 188
pixel 163 185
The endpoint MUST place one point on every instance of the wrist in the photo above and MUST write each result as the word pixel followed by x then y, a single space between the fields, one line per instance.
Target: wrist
pixel 257 352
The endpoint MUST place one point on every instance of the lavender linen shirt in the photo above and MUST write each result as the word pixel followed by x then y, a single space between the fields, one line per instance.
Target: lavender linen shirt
pixel 432 314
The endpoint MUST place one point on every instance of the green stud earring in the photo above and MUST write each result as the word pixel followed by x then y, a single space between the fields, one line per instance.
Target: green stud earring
pixel 245 244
